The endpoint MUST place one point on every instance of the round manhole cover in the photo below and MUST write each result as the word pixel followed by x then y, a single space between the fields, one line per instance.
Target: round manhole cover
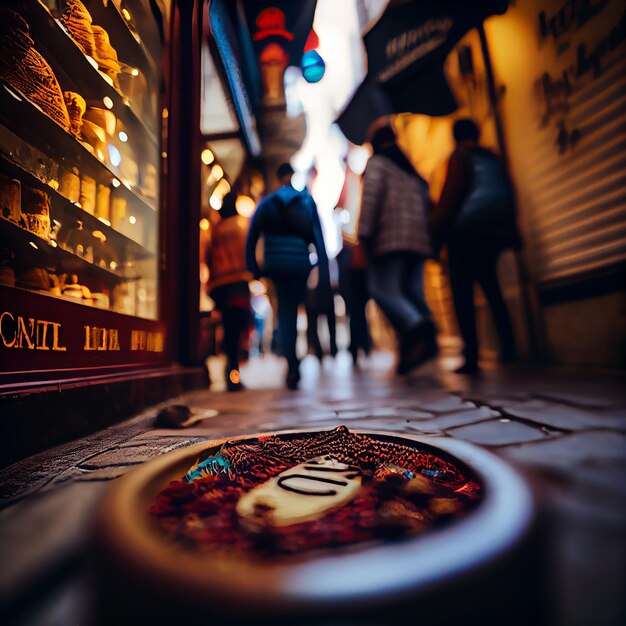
pixel 288 522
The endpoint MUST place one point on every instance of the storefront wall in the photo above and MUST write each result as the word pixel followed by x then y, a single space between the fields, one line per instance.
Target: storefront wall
pixel 560 80
pixel 93 286
pixel 563 67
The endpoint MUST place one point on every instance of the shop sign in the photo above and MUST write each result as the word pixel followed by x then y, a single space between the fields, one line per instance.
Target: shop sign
pixel 40 334
pixel 23 333
pixel 589 59
pixel 28 333
pixel 571 15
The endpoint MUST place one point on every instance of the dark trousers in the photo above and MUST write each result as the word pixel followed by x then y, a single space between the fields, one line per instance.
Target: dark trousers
pixel 235 321
pixel 354 291
pixel 320 303
pixel 471 261
pixel 235 318
pixel 357 301
pixel 291 292
pixel 396 283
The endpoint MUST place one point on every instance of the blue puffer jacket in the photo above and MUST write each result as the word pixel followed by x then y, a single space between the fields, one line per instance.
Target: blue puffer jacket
pixel 289 222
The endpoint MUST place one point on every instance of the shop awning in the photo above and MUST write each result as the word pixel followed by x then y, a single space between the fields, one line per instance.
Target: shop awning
pixel 406 51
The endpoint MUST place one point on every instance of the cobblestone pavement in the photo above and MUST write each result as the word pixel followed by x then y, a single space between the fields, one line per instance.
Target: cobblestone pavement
pixel 565 430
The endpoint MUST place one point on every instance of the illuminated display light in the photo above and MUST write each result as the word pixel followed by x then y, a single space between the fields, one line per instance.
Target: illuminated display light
pixel 127 15
pixel 33 244
pixel 132 219
pixel 108 103
pixel 135 72
pixel 114 155
pixel 313 66
pixel 204 224
pixel 215 202
pixel 257 288
pixel 115 182
pixel 357 159
pixel 222 188
pixel 123 136
pixel 217 172
pixel 207 157
pixel 245 205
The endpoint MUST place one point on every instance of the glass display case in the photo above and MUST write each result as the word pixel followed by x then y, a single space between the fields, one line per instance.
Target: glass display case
pixel 80 152
pixel 81 113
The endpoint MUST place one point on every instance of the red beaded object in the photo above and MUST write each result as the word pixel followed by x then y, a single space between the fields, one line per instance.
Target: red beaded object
pixel 406 490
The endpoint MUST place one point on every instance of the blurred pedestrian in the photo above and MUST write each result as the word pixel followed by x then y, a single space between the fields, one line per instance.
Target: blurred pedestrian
pixel 475 217
pixel 354 291
pixel 392 228
pixel 320 303
pixel 228 284
pixel 288 221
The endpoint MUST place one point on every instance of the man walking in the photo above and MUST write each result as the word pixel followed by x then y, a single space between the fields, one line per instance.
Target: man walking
pixel 475 216
pixel 288 221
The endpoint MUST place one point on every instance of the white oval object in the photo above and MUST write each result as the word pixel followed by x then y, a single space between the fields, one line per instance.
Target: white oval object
pixel 302 493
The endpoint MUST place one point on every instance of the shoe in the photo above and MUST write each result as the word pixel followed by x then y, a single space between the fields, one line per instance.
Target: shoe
pixel 419 346
pixel 419 353
pixel 467 368
pixel 293 378
pixel 234 386
pixel 233 383
pixel 355 357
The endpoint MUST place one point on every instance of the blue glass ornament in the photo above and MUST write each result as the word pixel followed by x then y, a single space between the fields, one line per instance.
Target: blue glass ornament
pixel 313 66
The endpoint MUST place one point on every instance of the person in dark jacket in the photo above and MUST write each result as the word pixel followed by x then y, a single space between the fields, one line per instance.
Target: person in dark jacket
pixel 475 217
pixel 288 221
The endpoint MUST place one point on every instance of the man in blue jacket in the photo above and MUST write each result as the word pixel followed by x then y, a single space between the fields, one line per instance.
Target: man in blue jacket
pixel 289 223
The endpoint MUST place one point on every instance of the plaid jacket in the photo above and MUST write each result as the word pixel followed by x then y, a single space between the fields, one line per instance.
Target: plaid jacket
pixel 394 208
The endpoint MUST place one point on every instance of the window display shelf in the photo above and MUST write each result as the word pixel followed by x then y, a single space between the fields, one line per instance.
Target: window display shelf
pixel 34 251
pixel 109 16
pixel 75 71
pixel 28 122
pixel 66 212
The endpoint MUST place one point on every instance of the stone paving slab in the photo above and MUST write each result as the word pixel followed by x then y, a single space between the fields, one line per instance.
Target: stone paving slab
pixel 609 477
pixel 132 455
pixel 446 404
pixel 500 432
pixel 41 532
pixel 566 417
pixel 497 401
pixel 461 418
pixel 570 450
pixel 27 476
pixel 587 400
